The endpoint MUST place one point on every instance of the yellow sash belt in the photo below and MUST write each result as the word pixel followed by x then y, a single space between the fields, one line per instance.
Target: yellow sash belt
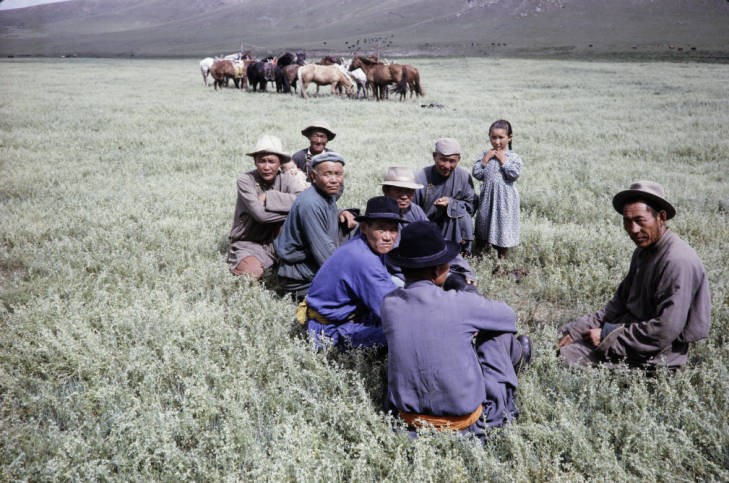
pixel 442 422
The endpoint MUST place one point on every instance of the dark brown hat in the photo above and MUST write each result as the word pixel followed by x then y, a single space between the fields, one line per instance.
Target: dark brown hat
pixel 649 192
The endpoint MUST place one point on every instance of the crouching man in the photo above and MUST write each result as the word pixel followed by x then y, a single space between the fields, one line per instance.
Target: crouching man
pixel 436 374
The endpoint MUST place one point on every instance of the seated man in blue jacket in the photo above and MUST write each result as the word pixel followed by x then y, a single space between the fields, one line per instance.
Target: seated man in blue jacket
pixel 453 356
pixel 343 302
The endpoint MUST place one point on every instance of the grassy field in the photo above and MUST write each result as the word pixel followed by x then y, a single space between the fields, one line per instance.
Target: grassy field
pixel 128 352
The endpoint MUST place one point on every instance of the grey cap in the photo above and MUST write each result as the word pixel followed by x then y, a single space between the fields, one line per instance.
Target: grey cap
pixel 326 156
pixel 447 146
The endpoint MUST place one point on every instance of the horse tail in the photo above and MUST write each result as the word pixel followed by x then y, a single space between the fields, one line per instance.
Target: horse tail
pixel 402 86
pixel 418 90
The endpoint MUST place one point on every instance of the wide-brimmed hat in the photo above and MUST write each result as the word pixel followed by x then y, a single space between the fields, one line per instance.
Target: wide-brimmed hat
pixel 648 191
pixel 326 156
pixel 319 125
pixel 422 245
pixel 381 208
pixel 447 146
pixel 401 177
pixel 269 144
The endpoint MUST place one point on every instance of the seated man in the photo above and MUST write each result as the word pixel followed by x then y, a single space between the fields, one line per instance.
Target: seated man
pixel 343 302
pixel 311 232
pixel 265 196
pixel 400 185
pixel 319 134
pixel 435 374
pixel 448 197
pixel 661 306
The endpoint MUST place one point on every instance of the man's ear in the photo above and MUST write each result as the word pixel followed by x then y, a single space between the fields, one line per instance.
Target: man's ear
pixel 662 215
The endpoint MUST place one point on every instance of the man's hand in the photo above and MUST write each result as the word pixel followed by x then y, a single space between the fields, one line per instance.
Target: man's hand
pixel 592 337
pixel 443 201
pixel 348 218
pixel 566 340
pixel 262 197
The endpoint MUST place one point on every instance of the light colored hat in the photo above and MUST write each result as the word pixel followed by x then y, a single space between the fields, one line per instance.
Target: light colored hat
pixel 401 177
pixel 319 125
pixel 649 192
pixel 326 156
pixel 447 146
pixel 269 144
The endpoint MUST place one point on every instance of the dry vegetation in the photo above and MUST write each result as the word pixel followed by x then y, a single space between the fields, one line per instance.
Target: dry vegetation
pixel 127 351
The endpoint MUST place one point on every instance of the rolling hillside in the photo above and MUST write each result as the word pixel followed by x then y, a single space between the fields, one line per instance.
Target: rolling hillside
pixel 164 28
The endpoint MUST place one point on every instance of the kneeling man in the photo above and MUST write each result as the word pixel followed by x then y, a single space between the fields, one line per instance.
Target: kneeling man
pixel 435 372
pixel 661 306
pixel 344 299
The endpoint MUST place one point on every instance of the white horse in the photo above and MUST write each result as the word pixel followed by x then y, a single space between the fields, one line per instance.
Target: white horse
pixel 358 77
pixel 205 66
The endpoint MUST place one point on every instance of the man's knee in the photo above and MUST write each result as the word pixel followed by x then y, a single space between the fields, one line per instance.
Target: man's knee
pixel 577 354
pixel 250 266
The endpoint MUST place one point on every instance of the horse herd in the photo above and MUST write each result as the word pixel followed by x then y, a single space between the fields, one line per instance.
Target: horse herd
pixel 289 70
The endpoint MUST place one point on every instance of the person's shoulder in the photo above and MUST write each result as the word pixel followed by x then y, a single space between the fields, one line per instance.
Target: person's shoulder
pixel 679 250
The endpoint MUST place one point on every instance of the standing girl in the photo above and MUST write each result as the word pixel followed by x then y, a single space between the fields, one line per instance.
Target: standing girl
pixel 497 220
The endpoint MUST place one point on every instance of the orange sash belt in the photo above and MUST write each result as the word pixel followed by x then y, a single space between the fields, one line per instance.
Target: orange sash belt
pixel 442 422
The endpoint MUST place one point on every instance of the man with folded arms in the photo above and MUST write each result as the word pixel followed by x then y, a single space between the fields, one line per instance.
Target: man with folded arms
pixel 662 305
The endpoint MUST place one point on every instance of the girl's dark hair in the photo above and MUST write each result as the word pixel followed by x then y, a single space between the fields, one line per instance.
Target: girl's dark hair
pixel 502 124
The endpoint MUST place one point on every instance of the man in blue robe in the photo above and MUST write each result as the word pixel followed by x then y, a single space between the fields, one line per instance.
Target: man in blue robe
pixel 311 231
pixel 344 299
pixel 437 375
pixel 448 197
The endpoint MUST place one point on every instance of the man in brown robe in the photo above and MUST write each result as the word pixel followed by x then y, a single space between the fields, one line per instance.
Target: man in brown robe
pixel 661 306
pixel 265 196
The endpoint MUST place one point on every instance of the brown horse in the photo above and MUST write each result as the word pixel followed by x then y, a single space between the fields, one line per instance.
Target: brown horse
pixel 323 75
pixel 380 76
pixel 413 80
pixel 223 70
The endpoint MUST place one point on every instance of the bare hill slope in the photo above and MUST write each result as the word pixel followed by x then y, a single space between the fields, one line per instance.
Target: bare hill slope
pixel 680 28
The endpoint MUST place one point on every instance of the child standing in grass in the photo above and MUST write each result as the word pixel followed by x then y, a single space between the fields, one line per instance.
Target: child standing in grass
pixel 497 220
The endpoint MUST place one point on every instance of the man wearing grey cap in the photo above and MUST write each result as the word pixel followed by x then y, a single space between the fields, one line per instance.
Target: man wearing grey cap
pixel 661 306
pixel 311 232
pixel 448 197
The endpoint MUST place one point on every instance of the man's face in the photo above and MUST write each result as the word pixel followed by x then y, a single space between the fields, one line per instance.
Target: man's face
pixel 380 234
pixel 328 177
pixel 267 166
pixel 642 225
pixel 445 165
pixel 403 196
pixel 317 141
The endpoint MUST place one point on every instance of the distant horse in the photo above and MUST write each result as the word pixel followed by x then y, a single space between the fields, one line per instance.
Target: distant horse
pixel 223 70
pixel 323 75
pixel 284 75
pixel 413 80
pixel 380 76
pixel 256 73
pixel 205 66
pixel 330 60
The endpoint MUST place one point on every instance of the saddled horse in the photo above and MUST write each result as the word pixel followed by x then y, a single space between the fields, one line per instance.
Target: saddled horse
pixel 222 70
pixel 323 75
pixel 380 76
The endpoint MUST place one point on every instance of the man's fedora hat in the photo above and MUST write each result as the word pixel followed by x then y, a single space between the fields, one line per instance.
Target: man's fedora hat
pixel 381 208
pixel 319 125
pixel 649 192
pixel 421 246
pixel 401 177
pixel 269 144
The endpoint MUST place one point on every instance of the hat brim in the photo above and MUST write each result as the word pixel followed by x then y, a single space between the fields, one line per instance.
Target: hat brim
pixel 307 132
pixel 284 157
pixel 623 197
pixel 403 184
pixel 451 251
pixel 381 216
